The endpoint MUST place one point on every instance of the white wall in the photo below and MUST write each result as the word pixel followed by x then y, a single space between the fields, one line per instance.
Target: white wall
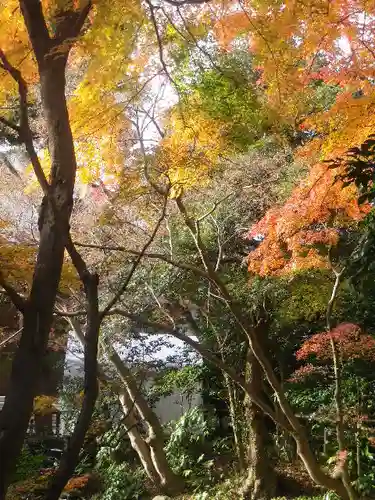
pixel 172 407
pixel 167 408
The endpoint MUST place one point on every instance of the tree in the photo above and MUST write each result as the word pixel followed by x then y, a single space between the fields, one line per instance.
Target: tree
pixel 53 223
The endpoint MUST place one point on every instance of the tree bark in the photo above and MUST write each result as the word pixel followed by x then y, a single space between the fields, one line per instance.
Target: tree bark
pixel 53 227
pixel 136 440
pixel 261 481
pixel 155 439
pixel 70 458
pixel 154 464
pixel 29 358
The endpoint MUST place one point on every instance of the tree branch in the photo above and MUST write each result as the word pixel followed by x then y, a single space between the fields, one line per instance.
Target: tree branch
pixel 160 43
pixel 141 254
pixel 338 276
pixel 3 343
pixel 205 353
pixel 19 302
pixel 24 129
pixel 70 23
pixel 158 256
pixel 37 28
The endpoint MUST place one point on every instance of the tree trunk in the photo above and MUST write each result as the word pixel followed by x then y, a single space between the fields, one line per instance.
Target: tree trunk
pixel 51 54
pixel 155 439
pixel 136 440
pixel 261 481
pixel 29 358
pixel 340 433
pixel 342 466
pixel 70 458
pixel 234 417
pixel 154 464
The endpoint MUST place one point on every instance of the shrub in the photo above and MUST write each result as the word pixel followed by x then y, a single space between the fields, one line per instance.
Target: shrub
pixel 28 465
pixel 120 480
pixel 189 446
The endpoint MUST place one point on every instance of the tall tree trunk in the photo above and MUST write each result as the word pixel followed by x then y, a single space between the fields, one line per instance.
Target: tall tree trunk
pixel 261 481
pixel 37 320
pixel 155 438
pixel 53 221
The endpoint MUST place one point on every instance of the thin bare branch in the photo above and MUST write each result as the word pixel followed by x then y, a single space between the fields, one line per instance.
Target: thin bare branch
pixel 10 338
pixel 136 263
pixel 214 207
pixel 25 133
pixel 160 43
pixel 157 256
pixel 338 276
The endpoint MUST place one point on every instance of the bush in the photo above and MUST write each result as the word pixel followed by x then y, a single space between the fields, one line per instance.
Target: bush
pixel 189 446
pixel 28 465
pixel 120 480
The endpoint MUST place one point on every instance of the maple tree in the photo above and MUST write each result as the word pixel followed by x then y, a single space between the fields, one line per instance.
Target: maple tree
pixel 350 341
pixel 316 66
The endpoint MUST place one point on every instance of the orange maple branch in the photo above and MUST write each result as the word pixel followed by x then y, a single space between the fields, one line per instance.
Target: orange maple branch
pixel 268 45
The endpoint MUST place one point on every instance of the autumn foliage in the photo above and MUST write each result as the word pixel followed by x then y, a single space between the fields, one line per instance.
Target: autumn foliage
pixel 316 63
pixel 350 341
pixel 292 235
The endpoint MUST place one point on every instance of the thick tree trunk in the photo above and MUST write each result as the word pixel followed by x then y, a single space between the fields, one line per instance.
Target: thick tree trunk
pixel 29 358
pixel 51 55
pixel 261 480
pixel 155 439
